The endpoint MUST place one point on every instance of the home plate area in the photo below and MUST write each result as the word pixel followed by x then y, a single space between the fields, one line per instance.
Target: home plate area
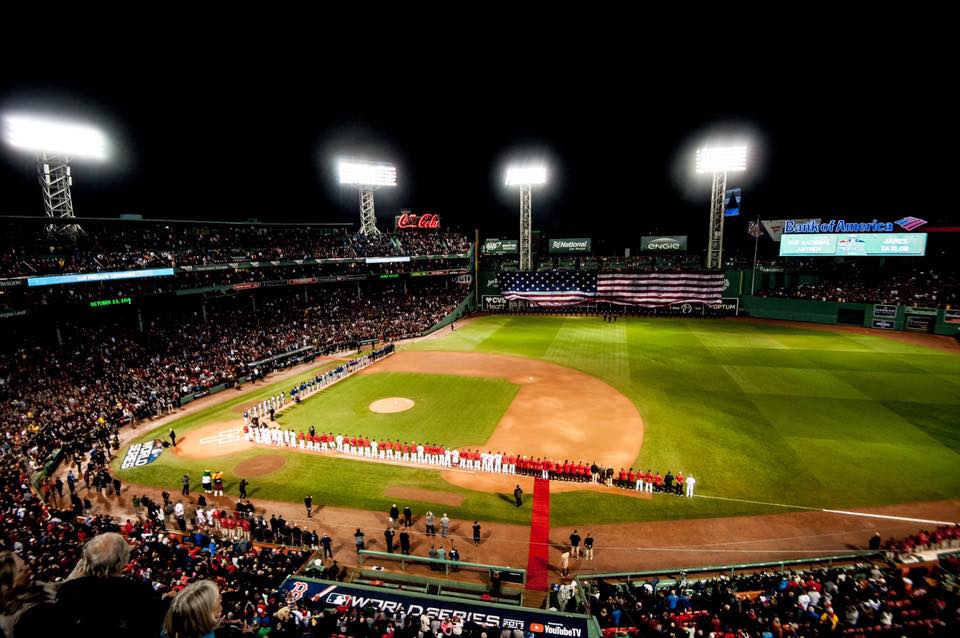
pixel 222 437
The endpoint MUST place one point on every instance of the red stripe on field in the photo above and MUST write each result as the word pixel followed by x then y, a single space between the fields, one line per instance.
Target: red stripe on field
pixel 538 563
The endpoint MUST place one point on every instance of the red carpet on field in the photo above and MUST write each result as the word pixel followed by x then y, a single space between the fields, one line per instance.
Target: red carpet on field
pixel 538 561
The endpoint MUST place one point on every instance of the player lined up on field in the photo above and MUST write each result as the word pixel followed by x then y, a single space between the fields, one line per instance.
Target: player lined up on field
pixel 495 462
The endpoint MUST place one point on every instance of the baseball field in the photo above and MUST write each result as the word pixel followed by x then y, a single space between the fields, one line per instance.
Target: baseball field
pixel 761 414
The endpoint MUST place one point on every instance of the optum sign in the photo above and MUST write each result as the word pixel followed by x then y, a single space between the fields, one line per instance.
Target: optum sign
pixel 663 244
pixel 575 245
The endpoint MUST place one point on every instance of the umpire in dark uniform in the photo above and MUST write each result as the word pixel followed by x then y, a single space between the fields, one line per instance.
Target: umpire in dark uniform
pixel 517 495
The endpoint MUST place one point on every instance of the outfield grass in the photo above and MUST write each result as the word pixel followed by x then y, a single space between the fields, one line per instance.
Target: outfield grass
pixel 756 412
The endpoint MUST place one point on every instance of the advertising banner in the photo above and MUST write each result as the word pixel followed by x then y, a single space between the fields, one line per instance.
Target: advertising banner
pixel 692 309
pixel 413 220
pixel 140 454
pixel 385 260
pixel 464 280
pixel 500 246
pixel 730 306
pixel 493 303
pixel 731 202
pixel 951 316
pixel 886 324
pixel 881 311
pixel 920 323
pixel 663 244
pixel 487 281
pixel 913 310
pixel 54 280
pixel 854 245
pixel 476 615
pixel 573 245
pixel 774 227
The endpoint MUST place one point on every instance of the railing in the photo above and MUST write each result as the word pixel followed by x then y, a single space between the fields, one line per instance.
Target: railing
pixel 732 569
pixel 516 575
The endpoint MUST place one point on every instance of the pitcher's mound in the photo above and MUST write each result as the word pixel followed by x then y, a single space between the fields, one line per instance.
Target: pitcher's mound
pixel 391 405
pixel 260 465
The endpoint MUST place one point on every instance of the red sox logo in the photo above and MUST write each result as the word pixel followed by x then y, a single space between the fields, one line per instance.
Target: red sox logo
pixel 298 590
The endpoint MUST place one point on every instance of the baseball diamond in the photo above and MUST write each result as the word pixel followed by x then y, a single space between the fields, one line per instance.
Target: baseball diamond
pixel 313 347
pixel 706 387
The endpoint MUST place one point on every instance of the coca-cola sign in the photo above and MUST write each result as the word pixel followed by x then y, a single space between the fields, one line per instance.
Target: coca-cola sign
pixel 413 220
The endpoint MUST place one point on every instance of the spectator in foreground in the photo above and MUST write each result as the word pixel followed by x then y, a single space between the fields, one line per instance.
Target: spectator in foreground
pixel 23 606
pixel 195 612
pixel 97 600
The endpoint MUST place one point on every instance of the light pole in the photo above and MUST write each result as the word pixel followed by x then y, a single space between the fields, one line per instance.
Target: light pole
pixel 526 176
pixel 54 143
pixel 719 160
pixel 367 177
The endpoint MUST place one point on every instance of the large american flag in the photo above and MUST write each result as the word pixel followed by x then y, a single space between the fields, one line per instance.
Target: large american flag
pixel 649 289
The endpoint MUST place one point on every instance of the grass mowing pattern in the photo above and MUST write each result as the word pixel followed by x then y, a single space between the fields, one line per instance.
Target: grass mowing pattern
pixel 759 412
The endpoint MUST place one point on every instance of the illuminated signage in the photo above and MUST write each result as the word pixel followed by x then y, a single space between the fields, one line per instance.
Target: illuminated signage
pixel 577 245
pixel 842 226
pixel 413 220
pixel 854 245
pixel 55 280
pixel 495 618
pixel 386 260
pixel 663 244
pixel 501 246
pixel 100 303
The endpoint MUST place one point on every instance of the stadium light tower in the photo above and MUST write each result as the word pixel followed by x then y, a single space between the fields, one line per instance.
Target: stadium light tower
pixel 526 176
pixel 719 160
pixel 55 143
pixel 367 177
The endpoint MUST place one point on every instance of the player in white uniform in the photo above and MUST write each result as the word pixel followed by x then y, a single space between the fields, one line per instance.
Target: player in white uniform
pixel 690 483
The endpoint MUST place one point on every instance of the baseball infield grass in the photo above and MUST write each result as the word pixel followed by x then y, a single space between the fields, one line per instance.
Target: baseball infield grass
pixel 757 412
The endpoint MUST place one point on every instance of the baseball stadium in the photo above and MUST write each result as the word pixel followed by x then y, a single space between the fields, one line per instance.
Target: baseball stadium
pixel 408 422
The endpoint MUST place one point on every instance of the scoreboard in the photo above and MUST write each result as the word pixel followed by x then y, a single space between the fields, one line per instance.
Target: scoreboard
pixel 854 245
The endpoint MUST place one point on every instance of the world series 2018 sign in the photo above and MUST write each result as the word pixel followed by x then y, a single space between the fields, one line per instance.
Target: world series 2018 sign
pixel 140 454
pixel 533 622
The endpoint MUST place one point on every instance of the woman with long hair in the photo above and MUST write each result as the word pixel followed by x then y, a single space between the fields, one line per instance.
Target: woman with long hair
pixel 195 612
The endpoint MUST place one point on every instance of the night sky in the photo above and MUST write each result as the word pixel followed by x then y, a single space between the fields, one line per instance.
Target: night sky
pixel 224 140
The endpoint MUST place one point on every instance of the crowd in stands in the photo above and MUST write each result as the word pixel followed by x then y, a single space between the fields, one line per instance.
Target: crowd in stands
pixel 26 249
pixel 108 374
pixel 56 581
pixel 943 537
pixel 922 289
pixel 863 600
pixel 55 296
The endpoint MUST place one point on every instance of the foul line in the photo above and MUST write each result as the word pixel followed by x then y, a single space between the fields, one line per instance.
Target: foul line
pixel 888 517
pixel 892 518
